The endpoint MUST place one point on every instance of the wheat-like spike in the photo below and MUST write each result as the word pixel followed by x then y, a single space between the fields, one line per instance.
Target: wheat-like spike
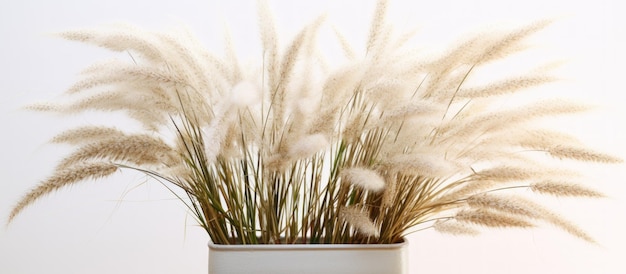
pixel 128 74
pixel 302 96
pixel 307 52
pixel 142 74
pixel 184 62
pixel 44 107
pixel 378 24
pixel 453 227
pixel 543 139
pixel 87 134
pixel 402 40
pixel 391 190
pixel 476 50
pixel 61 178
pixel 492 122
pixel 337 91
pixel 290 57
pixel 438 70
pixel 269 41
pixel 285 97
pixel 422 164
pixel 348 50
pixel 409 67
pixel 406 111
pixel 507 204
pixel 205 73
pixel 380 47
pixel 359 219
pixel 311 46
pixel 466 188
pixel 117 40
pixel 570 228
pixel 499 146
pixel 506 173
pixel 523 207
pixel 582 154
pixel 358 123
pixel 231 56
pixel 508 44
pixel 220 81
pixel 137 149
pixel 562 189
pixel 490 146
pixel 107 101
pixel 232 148
pixel 489 178
pixel 150 119
pixel 285 74
pixel 148 108
pixel 120 38
pixel 102 67
pixel 386 92
pixel 491 219
pixel 504 86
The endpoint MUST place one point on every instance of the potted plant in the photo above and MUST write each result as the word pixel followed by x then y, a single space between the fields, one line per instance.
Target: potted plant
pixel 293 155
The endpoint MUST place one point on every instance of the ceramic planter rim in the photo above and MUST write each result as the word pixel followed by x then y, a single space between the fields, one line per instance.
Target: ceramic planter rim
pixel 269 247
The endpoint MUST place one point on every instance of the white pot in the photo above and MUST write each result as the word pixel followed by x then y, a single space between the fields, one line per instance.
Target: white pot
pixel 308 258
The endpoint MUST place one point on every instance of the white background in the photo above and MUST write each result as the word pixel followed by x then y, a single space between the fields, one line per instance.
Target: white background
pixel 124 225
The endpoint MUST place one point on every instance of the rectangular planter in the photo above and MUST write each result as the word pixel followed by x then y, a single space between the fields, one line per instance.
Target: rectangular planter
pixel 308 258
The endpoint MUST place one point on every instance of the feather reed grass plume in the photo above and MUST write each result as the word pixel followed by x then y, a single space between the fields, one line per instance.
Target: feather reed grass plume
pixel 491 219
pixel 363 178
pixel 63 178
pixel 454 228
pixel 565 189
pixel 292 150
pixel 358 218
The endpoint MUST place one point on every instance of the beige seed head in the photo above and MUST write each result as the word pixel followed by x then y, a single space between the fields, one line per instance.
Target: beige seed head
pixel 565 189
pixel 491 219
pixel 358 218
pixel 62 178
pixel 582 154
pixel 506 204
pixel 366 179
pixel 86 134
pixel 308 145
pixel 136 149
pixel 455 228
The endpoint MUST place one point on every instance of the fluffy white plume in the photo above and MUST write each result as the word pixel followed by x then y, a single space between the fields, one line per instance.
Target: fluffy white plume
pixel 364 178
pixel 244 94
pixel 308 145
pixel 359 220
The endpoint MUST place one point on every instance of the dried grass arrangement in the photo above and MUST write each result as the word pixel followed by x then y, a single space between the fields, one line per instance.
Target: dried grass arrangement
pixel 385 144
